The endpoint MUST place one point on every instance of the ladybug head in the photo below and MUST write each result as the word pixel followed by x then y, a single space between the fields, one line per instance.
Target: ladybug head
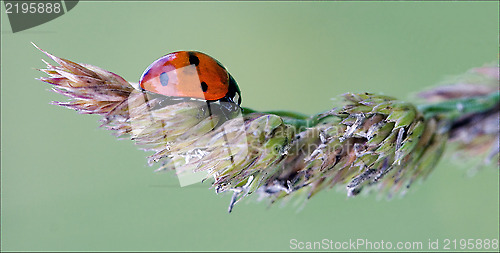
pixel 233 95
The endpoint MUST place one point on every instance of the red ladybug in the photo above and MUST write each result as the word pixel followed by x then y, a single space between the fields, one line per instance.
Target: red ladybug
pixel 190 74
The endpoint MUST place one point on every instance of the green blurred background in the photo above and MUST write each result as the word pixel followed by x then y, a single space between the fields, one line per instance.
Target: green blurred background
pixel 68 185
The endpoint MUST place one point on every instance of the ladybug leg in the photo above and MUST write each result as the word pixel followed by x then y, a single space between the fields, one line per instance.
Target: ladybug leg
pixel 209 108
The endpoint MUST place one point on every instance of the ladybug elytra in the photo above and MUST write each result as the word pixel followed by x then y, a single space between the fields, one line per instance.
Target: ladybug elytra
pixel 190 74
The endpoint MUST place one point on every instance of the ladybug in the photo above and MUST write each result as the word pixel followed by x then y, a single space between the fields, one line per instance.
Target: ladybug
pixel 190 74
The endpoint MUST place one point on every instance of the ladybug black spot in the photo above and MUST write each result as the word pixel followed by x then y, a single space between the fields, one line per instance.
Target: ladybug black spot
pixel 204 86
pixel 164 79
pixel 193 59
